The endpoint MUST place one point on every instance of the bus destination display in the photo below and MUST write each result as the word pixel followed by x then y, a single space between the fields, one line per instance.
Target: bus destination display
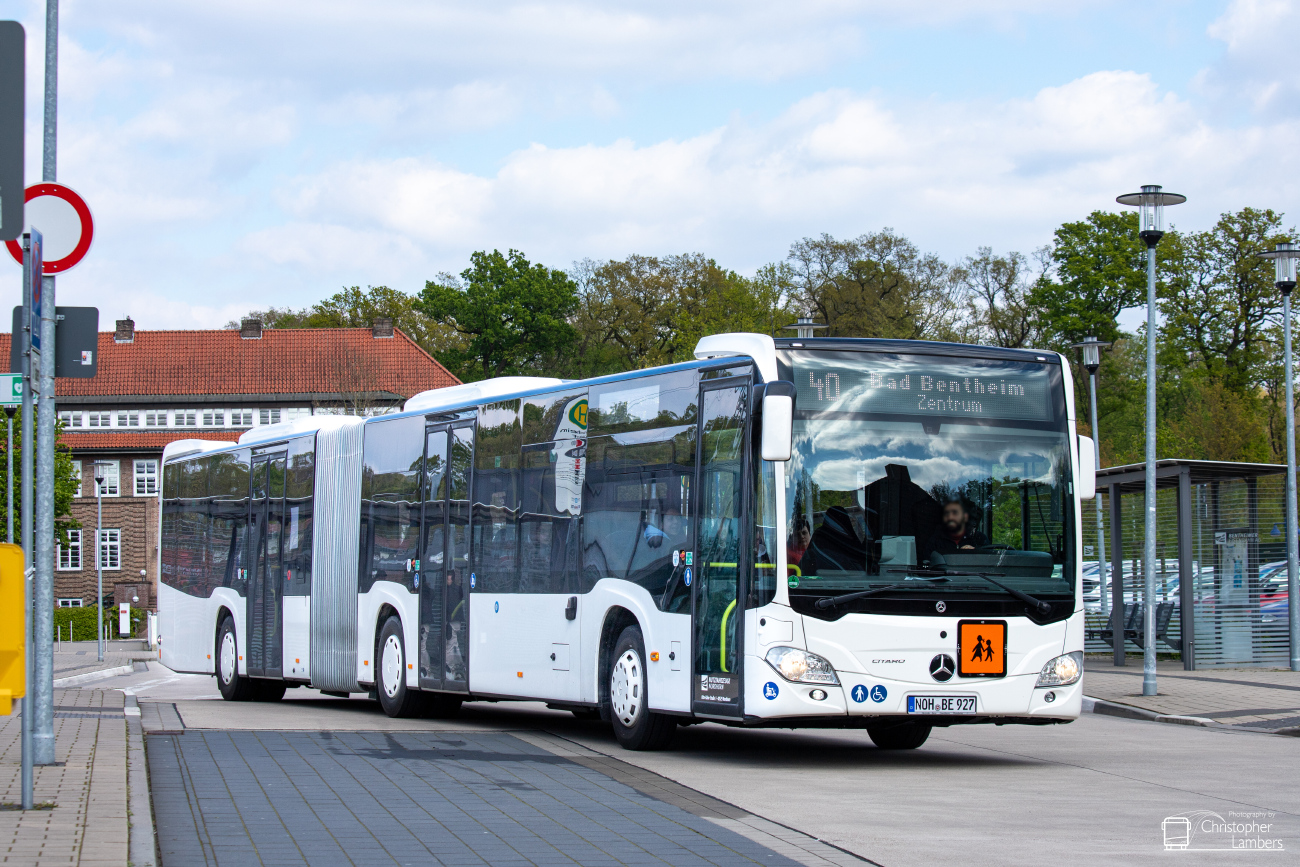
pixel 862 382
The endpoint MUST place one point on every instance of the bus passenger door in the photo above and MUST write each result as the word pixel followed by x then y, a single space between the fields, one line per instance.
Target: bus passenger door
pixel 444 558
pixel 720 562
pixel 266 584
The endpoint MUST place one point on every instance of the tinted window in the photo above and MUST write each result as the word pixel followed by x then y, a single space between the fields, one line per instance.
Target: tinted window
pixel 638 510
pixel 171 507
pixel 298 516
pixel 392 456
pixel 550 417
pixel 496 497
pixel 548 519
pixel 643 403
pixel 229 520
pixel 192 529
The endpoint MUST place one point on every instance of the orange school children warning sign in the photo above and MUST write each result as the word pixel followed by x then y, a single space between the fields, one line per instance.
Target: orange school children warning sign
pixel 982 648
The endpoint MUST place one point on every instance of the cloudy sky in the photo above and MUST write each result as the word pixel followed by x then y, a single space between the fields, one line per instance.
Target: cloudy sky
pixel 238 154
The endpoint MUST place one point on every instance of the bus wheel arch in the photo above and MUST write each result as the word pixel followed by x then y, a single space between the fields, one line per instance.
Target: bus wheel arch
pixel 232 685
pixel 617 618
pixel 395 697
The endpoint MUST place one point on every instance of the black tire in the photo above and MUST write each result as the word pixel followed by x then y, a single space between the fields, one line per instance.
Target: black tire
pixel 390 672
pixel 440 705
pixel 628 699
pixel 899 736
pixel 269 690
pixel 233 685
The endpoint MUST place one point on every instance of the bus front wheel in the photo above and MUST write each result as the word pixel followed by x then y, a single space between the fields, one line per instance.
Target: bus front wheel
pixel 390 662
pixel 898 736
pixel 635 725
pixel 233 685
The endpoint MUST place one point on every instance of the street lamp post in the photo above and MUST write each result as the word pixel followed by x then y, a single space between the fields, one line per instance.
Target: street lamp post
pixel 1284 257
pixel 1092 348
pixel 1151 202
pixel 99 553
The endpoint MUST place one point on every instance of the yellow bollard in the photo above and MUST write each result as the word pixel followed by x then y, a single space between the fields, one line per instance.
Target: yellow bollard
pixel 13 627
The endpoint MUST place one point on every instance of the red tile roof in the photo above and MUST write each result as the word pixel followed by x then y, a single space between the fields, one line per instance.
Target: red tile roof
pixel 290 361
pixel 139 441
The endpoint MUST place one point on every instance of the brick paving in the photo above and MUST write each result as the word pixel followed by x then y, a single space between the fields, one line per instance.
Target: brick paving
pixel 381 798
pixel 72 658
pixel 87 824
pixel 1245 697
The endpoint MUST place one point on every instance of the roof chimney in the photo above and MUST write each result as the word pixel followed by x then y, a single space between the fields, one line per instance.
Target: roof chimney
pixel 125 332
pixel 382 326
pixel 250 329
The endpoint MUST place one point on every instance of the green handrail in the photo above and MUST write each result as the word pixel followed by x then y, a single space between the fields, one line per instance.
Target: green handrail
pixel 723 637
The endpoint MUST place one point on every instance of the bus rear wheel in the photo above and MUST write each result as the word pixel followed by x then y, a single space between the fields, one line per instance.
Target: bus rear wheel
pixel 390 664
pixel 233 685
pixel 899 736
pixel 635 726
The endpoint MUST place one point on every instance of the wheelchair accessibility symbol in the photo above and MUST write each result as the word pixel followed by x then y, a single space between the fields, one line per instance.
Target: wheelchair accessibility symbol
pixel 770 690
pixel 878 693
pixel 859 693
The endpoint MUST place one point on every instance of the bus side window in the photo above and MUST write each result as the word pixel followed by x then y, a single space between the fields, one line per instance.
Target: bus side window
pixel 496 498
pixel 762 586
pixel 548 543
pixel 393 462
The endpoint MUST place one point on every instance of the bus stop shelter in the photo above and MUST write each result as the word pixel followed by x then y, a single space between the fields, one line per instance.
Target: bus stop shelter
pixel 1221 562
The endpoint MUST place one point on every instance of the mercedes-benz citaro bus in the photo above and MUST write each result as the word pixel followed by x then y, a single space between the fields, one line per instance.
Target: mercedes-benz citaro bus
pixel 799 532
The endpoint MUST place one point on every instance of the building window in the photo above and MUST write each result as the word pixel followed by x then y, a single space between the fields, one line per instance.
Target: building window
pixel 65 602
pixel 76 471
pixel 109 471
pixel 70 554
pixel 214 418
pixel 128 419
pixel 241 418
pixel 110 549
pixel 155 418
pixel 187 418
pixel 70 419
pixel 99 419
pixel 146 478
pixel 270 416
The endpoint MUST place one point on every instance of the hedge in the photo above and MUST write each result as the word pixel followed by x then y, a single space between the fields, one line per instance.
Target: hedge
pixel 78 624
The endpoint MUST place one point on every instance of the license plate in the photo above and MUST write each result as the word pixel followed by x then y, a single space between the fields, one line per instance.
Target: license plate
pixel 941 704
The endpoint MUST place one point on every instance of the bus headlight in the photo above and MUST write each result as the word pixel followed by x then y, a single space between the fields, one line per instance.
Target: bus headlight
pixel 800 666
pixel 1062 671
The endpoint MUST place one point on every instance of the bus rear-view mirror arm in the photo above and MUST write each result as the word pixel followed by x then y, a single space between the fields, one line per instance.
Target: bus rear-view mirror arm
pixel 778 420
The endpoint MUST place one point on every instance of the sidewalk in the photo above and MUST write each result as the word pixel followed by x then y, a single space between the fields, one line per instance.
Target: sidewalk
pixel 1248 698
pixel 81 658
pixel 83 799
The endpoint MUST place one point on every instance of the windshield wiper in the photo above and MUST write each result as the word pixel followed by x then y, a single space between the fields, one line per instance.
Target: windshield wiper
pixel 1039 605
pixel 830 601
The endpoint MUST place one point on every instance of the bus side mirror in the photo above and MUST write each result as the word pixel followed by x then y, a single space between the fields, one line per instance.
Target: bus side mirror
pixel 778 420
pixel 1087 468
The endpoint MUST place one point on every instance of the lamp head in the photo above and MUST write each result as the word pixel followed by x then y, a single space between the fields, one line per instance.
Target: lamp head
pixel 1151 202
pixel 805 327
pixel 1284 255
pixel 1091 348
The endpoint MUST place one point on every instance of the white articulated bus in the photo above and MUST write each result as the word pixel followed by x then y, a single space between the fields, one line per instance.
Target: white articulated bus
pixel 795 532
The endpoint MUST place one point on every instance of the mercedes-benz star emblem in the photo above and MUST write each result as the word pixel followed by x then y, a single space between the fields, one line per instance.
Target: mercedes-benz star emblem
pixel 941 606
pixel 942 667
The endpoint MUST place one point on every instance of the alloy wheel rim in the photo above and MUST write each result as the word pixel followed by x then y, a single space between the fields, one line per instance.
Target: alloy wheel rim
pixel 227 657
pixel 627 687
pixel 392 666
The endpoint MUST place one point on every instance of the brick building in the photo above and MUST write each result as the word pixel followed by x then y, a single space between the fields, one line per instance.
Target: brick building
pixel 155 387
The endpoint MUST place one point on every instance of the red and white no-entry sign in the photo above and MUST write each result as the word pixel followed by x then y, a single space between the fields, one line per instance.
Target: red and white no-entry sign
pixel 63 219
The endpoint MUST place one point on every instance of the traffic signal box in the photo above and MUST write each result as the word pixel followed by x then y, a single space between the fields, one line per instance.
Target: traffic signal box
pixel 13 627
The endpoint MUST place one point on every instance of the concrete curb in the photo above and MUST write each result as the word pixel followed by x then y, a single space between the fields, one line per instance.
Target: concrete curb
pixel 142 847
pixel 92 676
pixel 1110 708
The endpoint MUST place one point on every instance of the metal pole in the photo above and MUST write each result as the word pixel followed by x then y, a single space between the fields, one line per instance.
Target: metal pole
pixel 99 559
pixel 1101 531
pixel 25 525
pixel 43 550
pixel 1149 548
pixel 9 469
pixel 1292 574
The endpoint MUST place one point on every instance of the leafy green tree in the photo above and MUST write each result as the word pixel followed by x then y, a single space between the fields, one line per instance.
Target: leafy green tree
pixel 65 483
pixel 1099 265
pixel 875 285
pixel 510 312
pixel 996 299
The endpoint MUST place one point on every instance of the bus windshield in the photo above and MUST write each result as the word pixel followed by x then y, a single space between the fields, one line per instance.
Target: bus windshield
pixel 908 467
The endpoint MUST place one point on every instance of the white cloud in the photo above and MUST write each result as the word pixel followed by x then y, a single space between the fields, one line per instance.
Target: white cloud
pixel 1258 67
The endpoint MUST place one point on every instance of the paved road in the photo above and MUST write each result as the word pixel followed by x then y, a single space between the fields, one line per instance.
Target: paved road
pixel 1095 790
